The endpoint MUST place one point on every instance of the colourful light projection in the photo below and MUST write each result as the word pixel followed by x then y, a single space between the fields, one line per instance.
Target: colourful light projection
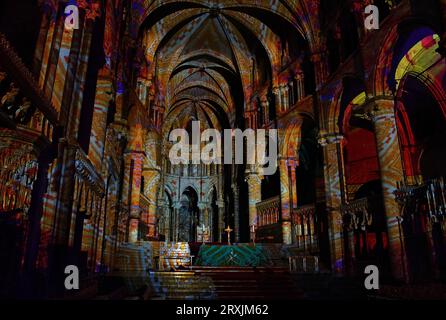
pixel 420 58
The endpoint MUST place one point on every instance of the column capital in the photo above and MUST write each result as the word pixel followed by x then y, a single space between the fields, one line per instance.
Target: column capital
pixel 220 203
pixel 292 162
pixel 253 180
pixel 325 138
pixel 299 75
pixel 284 86
pixel 264 102
pixel 176 204
pixel 289 161
pixel 135 212
pixel 202 205
pixel 376 107
pixel 254 169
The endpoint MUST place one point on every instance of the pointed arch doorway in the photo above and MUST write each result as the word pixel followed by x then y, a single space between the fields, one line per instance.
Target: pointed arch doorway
pixel 188 216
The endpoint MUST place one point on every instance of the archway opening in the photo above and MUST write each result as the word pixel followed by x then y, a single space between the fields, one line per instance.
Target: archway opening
pixel 188 216
pixel 417 79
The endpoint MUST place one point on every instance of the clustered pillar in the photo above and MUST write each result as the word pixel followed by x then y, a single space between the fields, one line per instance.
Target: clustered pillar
pixel 255 196
pixel 286 201
pixel 333 173
pixel 235 190
pixel 383 116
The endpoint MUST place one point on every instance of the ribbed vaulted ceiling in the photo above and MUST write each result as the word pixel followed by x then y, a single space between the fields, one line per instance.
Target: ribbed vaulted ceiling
pixel 206 59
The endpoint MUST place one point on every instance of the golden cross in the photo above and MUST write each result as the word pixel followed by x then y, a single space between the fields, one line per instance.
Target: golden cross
pixel 228 231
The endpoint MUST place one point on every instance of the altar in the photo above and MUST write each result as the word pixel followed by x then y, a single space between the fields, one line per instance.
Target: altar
pixel 239 255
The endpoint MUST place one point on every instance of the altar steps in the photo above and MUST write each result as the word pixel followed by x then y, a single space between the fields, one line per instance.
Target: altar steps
pixel 252 283
pixel 225 283
pixel 180 285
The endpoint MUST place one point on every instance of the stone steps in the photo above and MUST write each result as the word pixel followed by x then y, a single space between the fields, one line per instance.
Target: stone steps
pixel 225 283
pixel 205 282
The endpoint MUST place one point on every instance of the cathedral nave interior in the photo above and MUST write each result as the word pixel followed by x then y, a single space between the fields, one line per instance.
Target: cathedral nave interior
pixel 86 114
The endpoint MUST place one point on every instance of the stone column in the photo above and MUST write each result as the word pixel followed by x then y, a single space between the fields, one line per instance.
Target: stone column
pixel 104 90
pixel 131 195
pixel 382 114
pixel 162 213
pixel 176 211
pixel 209 220
pixel 277 94
pixel 211 223
pixel 35 211
pixel 133 229
pixel 292 163
pixel 203 217
pixel 64 204
pixel 292 98
pixel 73 81
pixel 126 181
pixel 334 190
pixel 152 175
pixel 134 171
pixel 285 98
pixel 254 117
pixel 285 198
pixel 319 60
pixel 169 223
pixel 235 190
pixel 265 108
pixel 300 86
pixel 221 217
pixel 255 196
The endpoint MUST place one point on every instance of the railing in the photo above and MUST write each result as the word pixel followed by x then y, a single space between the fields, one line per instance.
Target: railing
pixel 268 212
pixel 86 170
pixel 304 228
pixel 357 214
pixel 303 212
pixel 304 264
pixel 18 171
pixel 19 111
pixel 27 120
pixel 432 193
pixel 22 103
